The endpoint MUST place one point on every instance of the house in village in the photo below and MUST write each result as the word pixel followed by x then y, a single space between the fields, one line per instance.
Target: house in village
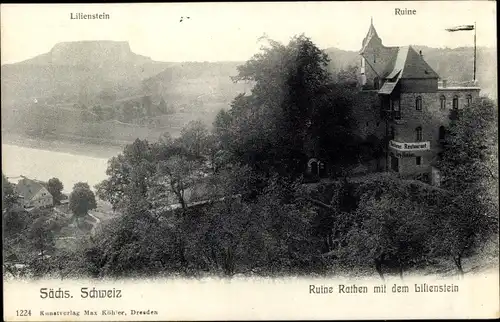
pixel 33 194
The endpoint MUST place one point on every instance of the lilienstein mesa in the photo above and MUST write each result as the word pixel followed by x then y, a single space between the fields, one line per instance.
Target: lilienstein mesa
pixel 84 16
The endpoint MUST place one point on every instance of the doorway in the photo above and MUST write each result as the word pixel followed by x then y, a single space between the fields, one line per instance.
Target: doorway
pixel 394 163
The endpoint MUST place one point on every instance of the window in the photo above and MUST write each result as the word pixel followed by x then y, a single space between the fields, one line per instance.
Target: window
pixel 442 133
pixel 376 82
pixel 469 100
pixel 418 132
pixel 455 102
pixel 396 109
pixel 393 133
pixel 418 160
pixel 443 103
pixel 418 103
pixel 374 58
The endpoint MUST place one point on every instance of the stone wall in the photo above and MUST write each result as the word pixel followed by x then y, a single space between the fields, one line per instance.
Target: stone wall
pixel 461 93
pixel 430 118
pixel 419 85
pixel 366 112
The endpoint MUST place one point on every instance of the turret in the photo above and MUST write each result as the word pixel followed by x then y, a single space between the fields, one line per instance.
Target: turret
pixel 375 58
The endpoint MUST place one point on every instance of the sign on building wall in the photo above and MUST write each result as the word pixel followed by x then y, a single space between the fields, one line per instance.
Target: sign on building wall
pixel 405 155
pixel 414 146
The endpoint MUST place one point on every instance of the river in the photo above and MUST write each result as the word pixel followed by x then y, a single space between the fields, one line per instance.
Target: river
pixel 42 164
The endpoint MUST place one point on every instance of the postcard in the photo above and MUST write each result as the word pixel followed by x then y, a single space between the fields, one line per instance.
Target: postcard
pixel 254 160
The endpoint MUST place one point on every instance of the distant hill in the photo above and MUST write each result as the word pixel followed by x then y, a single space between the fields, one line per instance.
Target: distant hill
pixel 458 65
pixel 76 72
pixel 197 81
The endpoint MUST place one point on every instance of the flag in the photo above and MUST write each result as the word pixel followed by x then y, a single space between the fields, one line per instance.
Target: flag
pixel 460 28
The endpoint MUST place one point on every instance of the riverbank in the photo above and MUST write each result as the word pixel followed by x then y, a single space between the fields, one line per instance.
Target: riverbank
pixel 68 145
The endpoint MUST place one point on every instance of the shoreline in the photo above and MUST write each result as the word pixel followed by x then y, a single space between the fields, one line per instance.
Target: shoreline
pixel 65 145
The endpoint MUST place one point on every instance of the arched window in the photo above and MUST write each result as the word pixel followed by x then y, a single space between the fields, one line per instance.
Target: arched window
pixel 442 133
pixel 376 82
pixel 313 165
pixel 455 102
pixel 443 102
pixel 469 100
pixel 396 109
pixel 418 103
pixel 418 132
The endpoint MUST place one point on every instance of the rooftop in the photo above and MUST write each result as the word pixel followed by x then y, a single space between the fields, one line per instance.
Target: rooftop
pixel 404 61
pixel 28 188
pixel 458 88
pixel 410 64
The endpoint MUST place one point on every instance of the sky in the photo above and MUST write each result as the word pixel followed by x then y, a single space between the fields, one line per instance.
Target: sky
pixel 230 31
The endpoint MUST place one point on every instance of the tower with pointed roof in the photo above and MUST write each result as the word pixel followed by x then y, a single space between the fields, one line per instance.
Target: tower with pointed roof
pixel 374 59
pixel 415 109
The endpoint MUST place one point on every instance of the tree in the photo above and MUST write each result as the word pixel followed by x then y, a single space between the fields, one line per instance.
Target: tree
pixel 211 147
pixel 41 231
pixel 469 168
pixel 221 128
pixel 81 200
pixel 295 110
pixel 331 130
pixel 287 79
pixel 166 139
pixel 181 174
pixel 393 232
pixel 130 171
pixel 268 235
pixel 348 76
pixel 194 137
pixel 113 189
pixel 9 197
pixel 55 187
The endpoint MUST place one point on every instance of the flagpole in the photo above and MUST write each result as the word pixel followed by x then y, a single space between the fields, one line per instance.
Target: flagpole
pixel 475 51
